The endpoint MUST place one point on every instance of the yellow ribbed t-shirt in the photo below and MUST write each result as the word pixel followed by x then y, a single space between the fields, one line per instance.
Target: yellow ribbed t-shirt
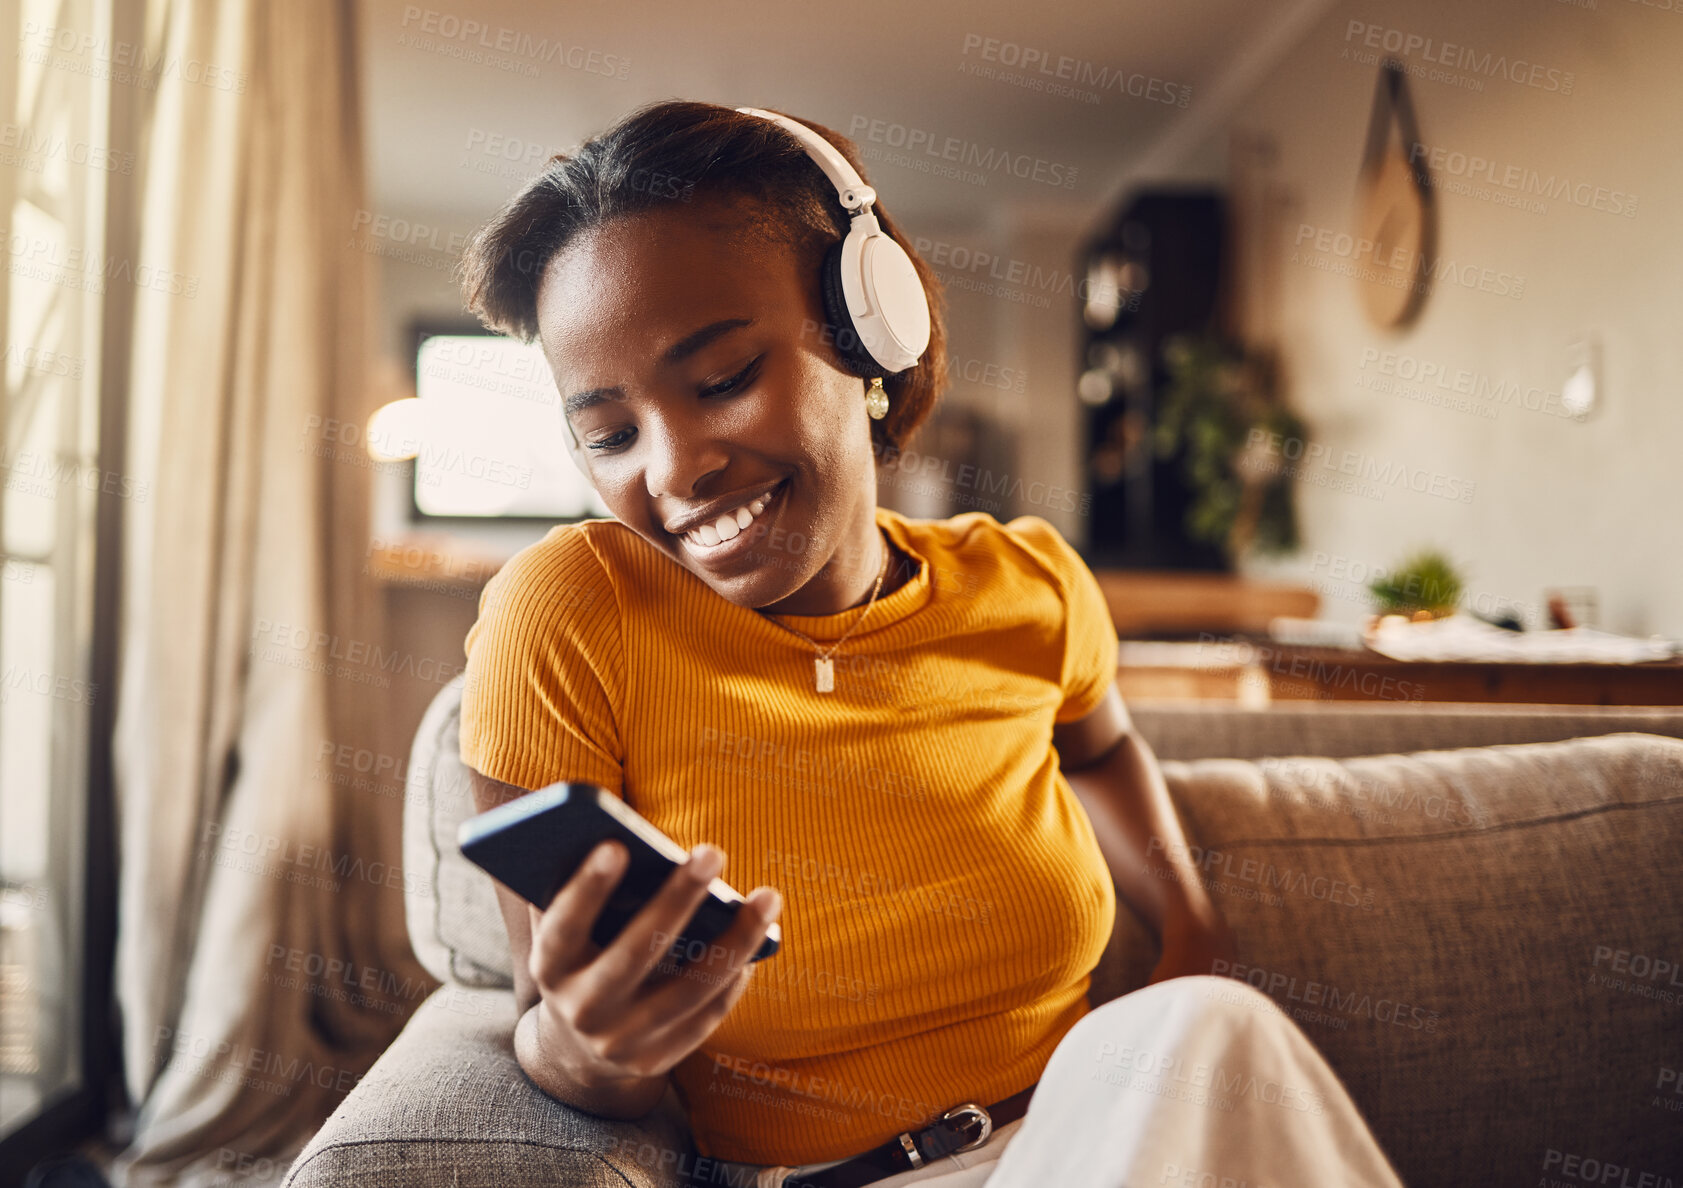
pixel 944 894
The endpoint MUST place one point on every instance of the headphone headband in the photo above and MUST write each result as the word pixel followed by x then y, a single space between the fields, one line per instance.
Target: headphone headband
pixel 873 297
pixel 850 187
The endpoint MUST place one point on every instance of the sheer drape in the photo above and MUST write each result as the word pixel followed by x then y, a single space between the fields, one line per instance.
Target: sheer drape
pixel 262 960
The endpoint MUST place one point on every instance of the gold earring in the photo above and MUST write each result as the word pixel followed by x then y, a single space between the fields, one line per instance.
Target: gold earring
pixel 876 400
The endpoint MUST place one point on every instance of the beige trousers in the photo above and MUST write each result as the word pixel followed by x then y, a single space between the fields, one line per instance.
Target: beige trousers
pixel 1197 1082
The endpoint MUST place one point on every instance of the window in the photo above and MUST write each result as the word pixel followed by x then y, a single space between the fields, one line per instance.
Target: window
pixel 56 162
pixel 486 433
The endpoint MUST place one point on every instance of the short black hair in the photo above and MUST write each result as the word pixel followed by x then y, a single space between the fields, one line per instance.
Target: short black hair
pixel 684 151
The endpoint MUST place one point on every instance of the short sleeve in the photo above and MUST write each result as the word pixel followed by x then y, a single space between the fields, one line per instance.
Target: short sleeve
pixel 1090 642
pixel 545 670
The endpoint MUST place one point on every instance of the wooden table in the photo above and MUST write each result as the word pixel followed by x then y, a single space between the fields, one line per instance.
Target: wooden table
pixel 1160 602
pixel 1257 672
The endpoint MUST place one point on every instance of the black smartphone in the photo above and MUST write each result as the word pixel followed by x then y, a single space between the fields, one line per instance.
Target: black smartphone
pixel 534 844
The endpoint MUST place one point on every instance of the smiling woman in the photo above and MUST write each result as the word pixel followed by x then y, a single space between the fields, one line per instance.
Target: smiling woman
pixel 725 284
pixel 932 770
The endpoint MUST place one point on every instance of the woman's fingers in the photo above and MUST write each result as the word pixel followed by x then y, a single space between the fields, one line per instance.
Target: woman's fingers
pixel 710 969
pixel 625 964
pixel 633 1016
pixel 561 940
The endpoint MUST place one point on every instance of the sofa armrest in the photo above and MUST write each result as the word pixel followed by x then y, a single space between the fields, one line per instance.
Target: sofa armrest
pixel 447 1104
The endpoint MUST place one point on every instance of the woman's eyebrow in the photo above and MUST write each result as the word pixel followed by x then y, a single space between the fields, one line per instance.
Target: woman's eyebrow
pixel 693 342
pixel 676 353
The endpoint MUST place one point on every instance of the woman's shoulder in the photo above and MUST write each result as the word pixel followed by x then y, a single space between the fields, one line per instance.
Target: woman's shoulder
pixel 570 567
pixel 1029 544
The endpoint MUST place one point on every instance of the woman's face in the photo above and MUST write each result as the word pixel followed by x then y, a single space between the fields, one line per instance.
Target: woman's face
pixel 696 380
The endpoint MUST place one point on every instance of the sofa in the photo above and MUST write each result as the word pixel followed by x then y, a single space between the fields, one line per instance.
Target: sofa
pixel 1473 911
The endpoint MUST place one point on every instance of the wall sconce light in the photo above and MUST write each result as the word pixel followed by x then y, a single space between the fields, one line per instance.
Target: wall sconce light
pixel 1581 392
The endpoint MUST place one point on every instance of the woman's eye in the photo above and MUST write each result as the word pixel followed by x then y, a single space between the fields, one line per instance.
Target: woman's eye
pixel 734 382
pixel 722 388
pixel 608 443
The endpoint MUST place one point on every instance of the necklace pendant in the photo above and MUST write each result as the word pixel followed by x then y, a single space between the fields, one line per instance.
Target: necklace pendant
pixel 824 673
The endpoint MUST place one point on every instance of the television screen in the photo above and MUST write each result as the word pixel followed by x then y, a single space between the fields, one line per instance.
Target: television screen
pixel 490 441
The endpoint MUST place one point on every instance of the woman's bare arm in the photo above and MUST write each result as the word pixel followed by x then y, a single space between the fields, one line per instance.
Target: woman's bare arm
pixel 1114 773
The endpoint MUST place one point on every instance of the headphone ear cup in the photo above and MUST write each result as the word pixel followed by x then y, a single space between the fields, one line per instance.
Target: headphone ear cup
pixel 847 342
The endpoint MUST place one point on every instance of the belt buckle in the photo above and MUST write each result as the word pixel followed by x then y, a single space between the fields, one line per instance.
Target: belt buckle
pixel 976 1111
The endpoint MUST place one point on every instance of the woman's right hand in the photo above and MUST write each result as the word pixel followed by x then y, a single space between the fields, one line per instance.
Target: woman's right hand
pixel 617 1019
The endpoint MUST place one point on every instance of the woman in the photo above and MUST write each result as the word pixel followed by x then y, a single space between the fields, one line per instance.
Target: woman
pixel 883 722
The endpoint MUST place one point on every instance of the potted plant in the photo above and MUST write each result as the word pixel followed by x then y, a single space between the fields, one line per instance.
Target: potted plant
pixel 1221 411
pixel 1425 586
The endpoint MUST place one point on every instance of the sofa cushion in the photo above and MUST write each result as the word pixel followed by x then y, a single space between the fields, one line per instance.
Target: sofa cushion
pixel 1340 729
pixel 1485 943
pixel 454 922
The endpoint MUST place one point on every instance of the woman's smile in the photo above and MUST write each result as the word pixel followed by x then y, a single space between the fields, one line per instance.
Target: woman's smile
pixel 725 539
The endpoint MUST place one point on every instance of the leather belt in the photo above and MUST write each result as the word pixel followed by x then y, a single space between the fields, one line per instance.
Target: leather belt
pixel 961 1128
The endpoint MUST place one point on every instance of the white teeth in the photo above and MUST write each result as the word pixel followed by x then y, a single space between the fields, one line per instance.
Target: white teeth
pixel 728 525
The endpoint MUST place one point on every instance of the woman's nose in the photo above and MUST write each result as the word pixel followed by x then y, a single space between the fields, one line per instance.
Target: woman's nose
pixel 680 458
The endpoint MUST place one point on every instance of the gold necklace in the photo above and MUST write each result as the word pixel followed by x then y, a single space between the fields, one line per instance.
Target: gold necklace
pixel 823 670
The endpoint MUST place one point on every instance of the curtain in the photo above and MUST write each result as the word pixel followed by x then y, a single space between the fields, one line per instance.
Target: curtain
pixel 262 959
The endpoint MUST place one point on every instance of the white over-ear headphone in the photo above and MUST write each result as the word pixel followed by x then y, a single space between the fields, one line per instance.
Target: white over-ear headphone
pixel 872 294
